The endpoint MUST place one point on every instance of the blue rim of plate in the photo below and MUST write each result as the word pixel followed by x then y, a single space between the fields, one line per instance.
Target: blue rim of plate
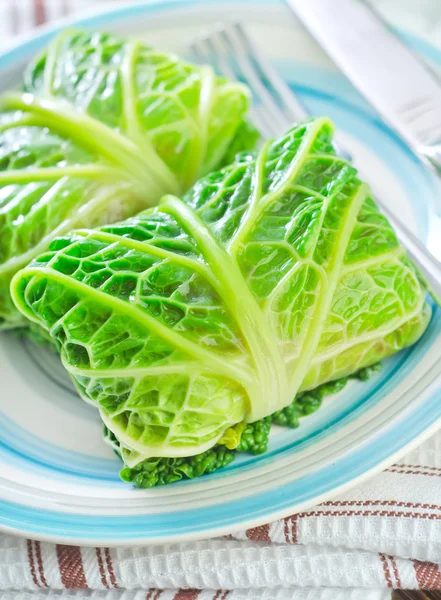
pixel 258 508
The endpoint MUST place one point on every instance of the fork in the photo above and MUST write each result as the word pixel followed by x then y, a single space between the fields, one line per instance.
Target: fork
pixel 233 54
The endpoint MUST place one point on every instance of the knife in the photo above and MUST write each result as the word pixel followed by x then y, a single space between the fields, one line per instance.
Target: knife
pixel 402 89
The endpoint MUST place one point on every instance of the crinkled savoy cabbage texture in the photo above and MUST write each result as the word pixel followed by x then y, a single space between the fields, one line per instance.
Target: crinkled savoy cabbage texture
pixel 105 127
pixel 273 275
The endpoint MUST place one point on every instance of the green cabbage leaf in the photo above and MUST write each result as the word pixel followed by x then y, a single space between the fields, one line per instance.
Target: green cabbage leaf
pixel 252 438
pixel 102 129
pixel 270 277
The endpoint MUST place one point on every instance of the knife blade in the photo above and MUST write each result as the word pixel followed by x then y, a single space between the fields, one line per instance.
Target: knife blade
pixel 402 89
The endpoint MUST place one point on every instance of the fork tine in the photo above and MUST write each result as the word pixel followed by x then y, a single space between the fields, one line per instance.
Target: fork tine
pixel 222 47
pixel 243 60
pixel 294 110
pixel 197 52
pixel 215 49
pixel 210 49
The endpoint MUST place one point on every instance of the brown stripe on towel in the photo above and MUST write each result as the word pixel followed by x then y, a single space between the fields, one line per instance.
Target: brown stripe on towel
pixel 110 567
pixel 70 562
pixel 187 594
pixel 40 564
pixel 32 563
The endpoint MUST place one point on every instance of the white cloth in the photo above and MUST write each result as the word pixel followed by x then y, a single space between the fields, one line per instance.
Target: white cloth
pixel 384 534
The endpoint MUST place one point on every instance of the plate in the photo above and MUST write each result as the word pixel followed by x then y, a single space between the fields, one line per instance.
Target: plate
pixel 59 481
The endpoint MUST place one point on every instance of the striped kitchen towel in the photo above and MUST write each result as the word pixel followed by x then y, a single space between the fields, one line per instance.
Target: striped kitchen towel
pixel 384 534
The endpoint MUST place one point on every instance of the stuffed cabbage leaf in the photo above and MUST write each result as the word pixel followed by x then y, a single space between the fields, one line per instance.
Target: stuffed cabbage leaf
pixel 271 276
pixel 252 438
pixel 105 126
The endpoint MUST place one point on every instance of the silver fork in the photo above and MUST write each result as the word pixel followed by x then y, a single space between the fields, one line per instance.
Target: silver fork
pixel 233 54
